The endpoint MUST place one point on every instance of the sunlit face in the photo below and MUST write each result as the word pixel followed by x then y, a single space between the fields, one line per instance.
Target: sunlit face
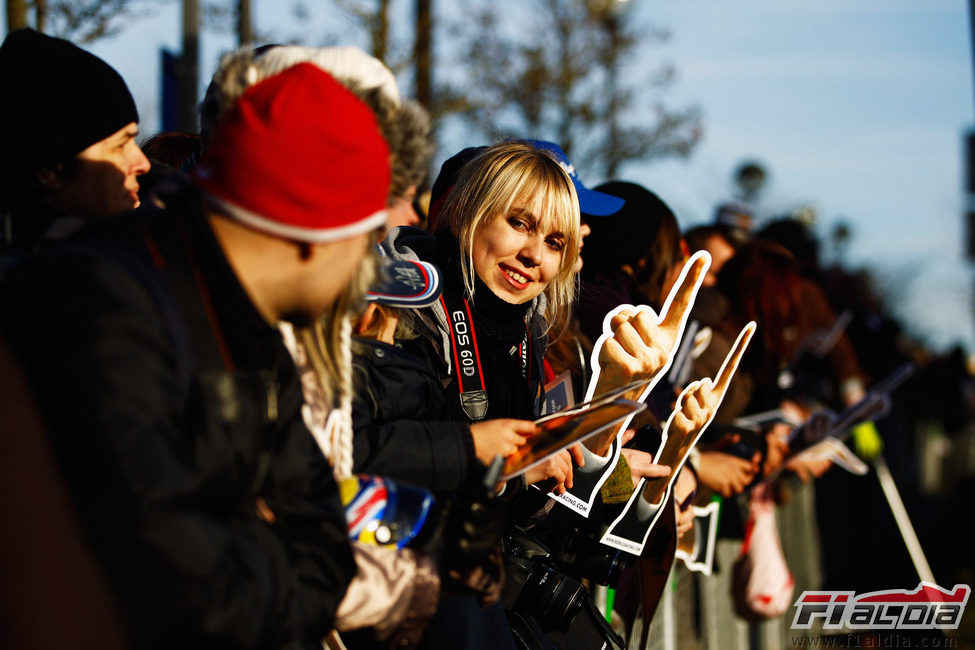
pixel 107 179
pixel 517 254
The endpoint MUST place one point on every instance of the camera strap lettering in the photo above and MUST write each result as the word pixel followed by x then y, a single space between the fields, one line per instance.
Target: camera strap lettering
pixel 525 353
pixel 467 358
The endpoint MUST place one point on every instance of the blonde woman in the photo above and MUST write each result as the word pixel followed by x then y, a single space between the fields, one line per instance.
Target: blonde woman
pixel 507 244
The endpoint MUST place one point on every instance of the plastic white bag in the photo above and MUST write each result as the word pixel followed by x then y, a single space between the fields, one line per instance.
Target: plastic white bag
pixel 762 584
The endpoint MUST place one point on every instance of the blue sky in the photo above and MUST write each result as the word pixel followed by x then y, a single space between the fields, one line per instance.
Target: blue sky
pixel 858 108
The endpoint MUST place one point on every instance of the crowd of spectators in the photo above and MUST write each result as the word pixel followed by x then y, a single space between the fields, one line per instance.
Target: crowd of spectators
pixel 257 393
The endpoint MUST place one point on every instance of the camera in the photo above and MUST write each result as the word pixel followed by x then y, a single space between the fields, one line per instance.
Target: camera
pixel 538 585
pixel 535 586
pixel 540 596
pixel 583 556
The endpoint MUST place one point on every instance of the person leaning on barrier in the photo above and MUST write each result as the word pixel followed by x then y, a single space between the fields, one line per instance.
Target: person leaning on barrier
pixel 507 240
pixel 173 407
pixel 321 349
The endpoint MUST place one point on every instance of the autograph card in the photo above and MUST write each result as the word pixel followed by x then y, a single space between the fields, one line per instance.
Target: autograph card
pixel 565 428
pixel 696 407
pixel 621 340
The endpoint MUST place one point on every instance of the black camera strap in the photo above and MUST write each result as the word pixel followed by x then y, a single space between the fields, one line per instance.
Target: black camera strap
pixel 467 356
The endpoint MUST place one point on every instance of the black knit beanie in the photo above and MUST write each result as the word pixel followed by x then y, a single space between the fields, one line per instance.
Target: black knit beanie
pixel 58 100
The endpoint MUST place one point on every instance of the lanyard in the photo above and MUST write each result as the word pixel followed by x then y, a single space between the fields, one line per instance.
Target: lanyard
pixel 467 357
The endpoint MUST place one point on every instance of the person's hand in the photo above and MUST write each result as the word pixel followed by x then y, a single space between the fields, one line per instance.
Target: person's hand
pixel 627 436
pixel 685 487
pixel 726 474
pixel 808 468
pixel 264 511
pixel 794 411
pixel 642 465
pixel 776 446
pixel 575 453
pixel 500 437
pixel 685 519
pixel 556 472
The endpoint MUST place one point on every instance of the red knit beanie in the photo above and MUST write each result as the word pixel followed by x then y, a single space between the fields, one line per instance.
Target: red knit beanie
pixel 300 157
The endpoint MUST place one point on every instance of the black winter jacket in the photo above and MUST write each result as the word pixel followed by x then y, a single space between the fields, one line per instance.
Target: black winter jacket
pixel 398 412
pixel 510 394
pixel 168 446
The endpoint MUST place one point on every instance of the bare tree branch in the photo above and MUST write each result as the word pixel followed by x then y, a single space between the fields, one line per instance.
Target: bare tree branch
pixel 561 79
pixel 84 21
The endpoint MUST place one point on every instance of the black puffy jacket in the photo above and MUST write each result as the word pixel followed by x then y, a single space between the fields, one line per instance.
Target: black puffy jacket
pixel 174 410
pixel 399 415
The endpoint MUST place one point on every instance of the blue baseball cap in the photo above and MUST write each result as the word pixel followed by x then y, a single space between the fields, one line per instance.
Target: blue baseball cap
pixel 591 202
pixel 405 283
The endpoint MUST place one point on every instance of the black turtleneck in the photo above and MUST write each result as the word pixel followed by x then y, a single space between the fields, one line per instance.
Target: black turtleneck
pixel 500 329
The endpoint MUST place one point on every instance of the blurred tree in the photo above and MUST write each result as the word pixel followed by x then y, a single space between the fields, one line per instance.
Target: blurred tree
pixel 188 70
pixel 373 15
pixel 552 70
pixel 16 14
pixel 750 177
pixel 571 71
pixel 245 24
pixel 237 17
pixel 423 53
pixel 80 21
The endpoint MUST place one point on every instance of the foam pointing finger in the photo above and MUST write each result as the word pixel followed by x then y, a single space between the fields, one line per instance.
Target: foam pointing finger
pixel 730 365
pixel 611 351
pixel 677 306
pixel 631 340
